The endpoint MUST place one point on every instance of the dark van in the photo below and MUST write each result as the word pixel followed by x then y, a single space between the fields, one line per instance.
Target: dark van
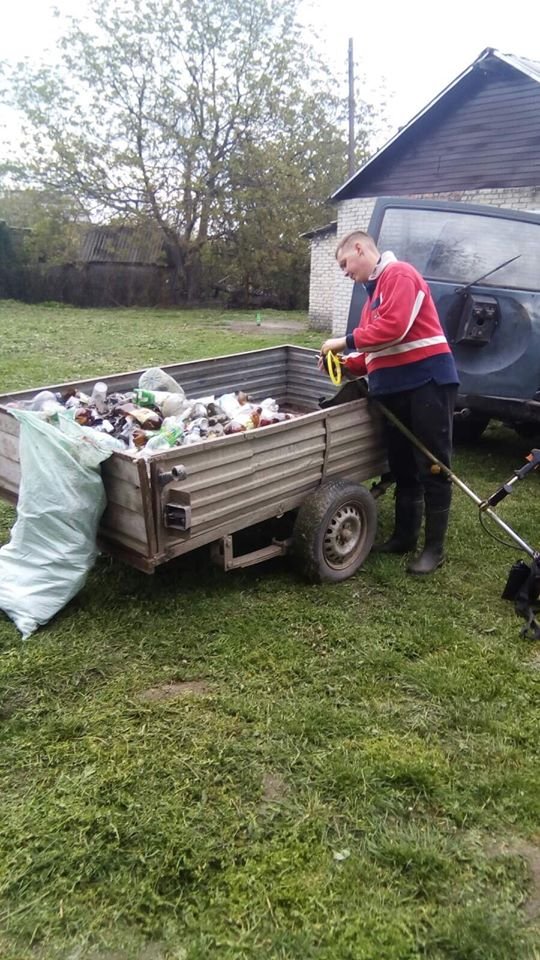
pixel 483 267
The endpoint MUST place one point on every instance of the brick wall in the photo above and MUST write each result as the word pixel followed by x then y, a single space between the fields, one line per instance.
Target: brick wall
pixel 322 278
pixel 352 215
pixel 330 291
pixel 516 198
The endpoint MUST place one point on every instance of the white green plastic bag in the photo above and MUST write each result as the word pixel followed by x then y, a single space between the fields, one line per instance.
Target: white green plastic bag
pixel 61 500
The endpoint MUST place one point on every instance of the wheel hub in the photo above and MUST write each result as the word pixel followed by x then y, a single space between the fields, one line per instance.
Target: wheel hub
pixel 343 537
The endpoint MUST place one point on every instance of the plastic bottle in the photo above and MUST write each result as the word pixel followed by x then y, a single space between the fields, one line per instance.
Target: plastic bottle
pixel 156 398
pixel 99 397
pixel 269 412
pixel 194 436
pixel 269 405
pixel 172 435
pixel 174 404
pixel 248 416
pixel 42 397
pixel 127 434
pixel 50 409
pixel 144 398
pixel 124 409
pixel 157 443
pixel 173 428
pixel 164 439
pixel 201 424
pixel 105 426
pixel 199 409
pixel 229 404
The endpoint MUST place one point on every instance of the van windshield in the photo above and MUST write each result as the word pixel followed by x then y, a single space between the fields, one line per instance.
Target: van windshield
pixel 459 247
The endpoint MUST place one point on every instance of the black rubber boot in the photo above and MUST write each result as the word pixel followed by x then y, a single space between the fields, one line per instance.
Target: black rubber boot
pixel 408 521
pixel 433 553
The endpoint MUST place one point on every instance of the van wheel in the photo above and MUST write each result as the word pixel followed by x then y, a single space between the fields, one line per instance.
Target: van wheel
pixel 527 430
pixel 470 428
pixel 334 531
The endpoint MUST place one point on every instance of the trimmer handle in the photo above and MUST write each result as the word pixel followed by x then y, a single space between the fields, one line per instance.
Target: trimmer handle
pixel 533 461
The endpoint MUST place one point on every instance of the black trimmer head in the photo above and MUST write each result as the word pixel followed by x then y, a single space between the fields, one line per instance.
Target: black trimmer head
pixel 523 584
pixel 523 588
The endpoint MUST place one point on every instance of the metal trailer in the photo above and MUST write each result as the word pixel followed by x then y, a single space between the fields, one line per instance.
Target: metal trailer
pixel 308 470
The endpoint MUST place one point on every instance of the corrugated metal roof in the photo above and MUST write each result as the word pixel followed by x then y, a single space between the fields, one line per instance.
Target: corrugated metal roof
pixel 530 68
pixel 320 231
pixel 122 245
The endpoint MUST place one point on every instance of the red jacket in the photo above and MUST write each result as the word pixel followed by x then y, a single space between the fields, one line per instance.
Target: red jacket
pixel 399 324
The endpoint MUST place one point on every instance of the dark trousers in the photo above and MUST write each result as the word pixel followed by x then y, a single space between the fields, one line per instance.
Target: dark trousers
pixel 428 413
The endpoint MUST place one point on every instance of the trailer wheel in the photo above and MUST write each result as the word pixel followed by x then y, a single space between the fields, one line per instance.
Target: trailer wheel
pixel 334 531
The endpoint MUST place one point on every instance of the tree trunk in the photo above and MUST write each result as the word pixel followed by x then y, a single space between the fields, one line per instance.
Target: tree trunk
pixel 177 257
pixel 193 269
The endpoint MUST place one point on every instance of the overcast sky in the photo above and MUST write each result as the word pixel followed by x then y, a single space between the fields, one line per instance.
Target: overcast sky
pixel 408 51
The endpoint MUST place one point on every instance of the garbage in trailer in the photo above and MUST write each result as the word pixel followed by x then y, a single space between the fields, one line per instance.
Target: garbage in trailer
pixel 156 415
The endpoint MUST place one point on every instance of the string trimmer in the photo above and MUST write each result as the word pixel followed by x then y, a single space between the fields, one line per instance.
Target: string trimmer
pixel 523 583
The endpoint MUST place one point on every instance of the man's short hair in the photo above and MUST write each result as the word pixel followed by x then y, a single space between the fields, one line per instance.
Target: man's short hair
pixel 357 236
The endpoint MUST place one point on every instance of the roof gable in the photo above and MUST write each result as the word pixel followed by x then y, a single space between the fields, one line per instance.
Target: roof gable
pixel 467 137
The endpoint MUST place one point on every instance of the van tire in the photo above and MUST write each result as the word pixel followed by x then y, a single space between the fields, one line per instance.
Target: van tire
pixel 470 428
pixel 528 430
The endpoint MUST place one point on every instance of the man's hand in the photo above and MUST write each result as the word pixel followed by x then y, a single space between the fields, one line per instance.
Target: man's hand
pixel 335 344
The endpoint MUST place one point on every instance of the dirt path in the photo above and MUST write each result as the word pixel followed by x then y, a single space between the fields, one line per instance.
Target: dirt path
pixel 290 326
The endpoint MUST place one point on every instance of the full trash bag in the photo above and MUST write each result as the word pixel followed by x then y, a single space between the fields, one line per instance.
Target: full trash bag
pixel 61 500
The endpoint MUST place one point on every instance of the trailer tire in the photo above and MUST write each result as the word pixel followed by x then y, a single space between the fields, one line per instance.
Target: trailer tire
pixel 334 531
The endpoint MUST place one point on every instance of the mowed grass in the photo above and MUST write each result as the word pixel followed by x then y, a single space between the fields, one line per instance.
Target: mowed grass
pixel 201 765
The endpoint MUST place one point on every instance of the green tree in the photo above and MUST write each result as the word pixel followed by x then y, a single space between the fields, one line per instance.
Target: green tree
pixel 211 118
pixel 280 189
pixel 52 223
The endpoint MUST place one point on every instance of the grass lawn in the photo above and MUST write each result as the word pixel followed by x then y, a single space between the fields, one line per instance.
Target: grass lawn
pixel 244 766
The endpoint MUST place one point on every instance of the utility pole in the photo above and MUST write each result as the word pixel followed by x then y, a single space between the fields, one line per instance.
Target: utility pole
pixel 352 163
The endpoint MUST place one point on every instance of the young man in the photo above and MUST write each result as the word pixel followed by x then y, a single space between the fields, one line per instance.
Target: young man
pixel 402 348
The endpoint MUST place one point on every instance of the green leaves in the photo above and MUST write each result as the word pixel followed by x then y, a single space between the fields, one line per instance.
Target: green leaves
pixel 215 119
